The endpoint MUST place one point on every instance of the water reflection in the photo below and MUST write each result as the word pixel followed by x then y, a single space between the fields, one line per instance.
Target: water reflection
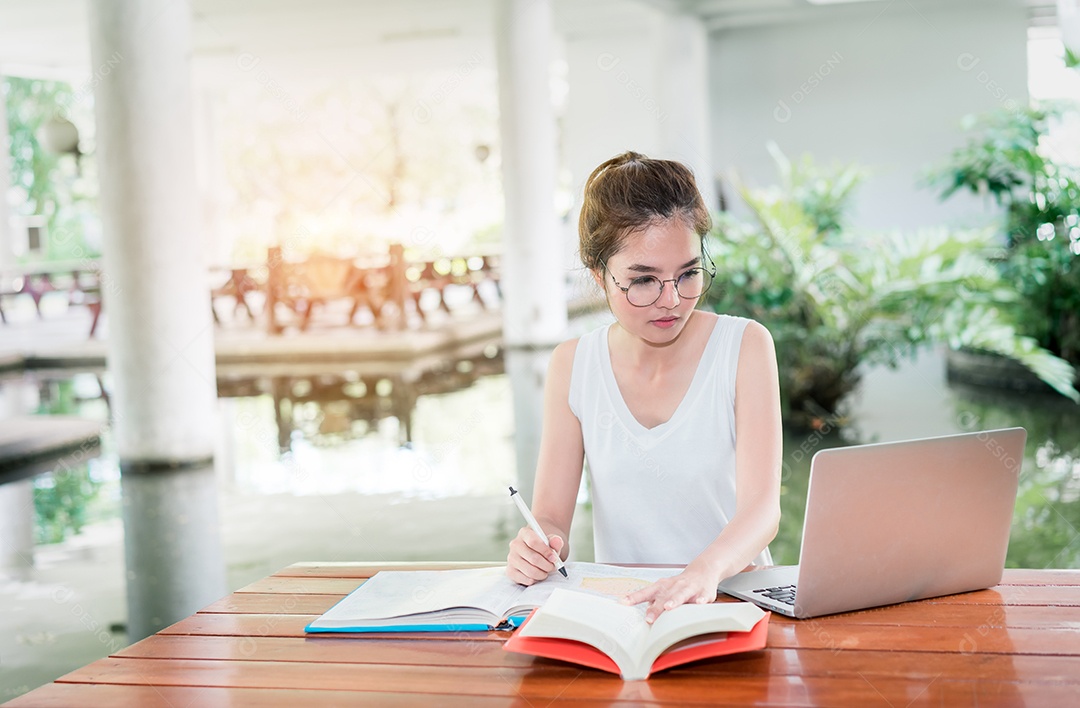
pixel 330 407
pixel 433 429
pixel 46 500
pixel 444 427
pixel 1046 522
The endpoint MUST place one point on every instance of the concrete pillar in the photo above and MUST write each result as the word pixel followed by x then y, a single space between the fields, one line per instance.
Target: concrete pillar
pixel 7 245
pixel 160 347
pixel 225 452
pixel 533 271
pixel 171 545
pixel 17 397
pixel 16 527
pixel 682 83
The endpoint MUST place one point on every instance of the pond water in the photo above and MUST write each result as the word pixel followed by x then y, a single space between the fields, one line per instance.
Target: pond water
pixel 447 431
pixel 311 459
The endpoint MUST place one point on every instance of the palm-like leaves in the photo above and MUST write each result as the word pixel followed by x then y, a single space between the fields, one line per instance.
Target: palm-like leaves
pixel 834 300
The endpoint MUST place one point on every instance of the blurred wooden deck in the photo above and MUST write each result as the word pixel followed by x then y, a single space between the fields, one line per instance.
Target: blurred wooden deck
pixel 29 444
pixel 59 338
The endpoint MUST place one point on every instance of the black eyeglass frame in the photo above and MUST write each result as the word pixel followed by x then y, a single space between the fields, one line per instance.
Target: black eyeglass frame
pixel 711 270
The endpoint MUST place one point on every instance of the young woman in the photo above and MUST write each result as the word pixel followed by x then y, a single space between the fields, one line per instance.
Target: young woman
pixel 675 411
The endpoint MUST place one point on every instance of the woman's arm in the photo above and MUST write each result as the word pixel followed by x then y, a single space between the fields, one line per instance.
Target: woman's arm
pixel 758 458
pixel 558 476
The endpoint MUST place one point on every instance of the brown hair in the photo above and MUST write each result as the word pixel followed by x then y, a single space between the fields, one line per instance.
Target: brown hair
pixel 630 192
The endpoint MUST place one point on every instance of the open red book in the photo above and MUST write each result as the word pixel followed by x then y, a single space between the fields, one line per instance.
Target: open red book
pixel 603 634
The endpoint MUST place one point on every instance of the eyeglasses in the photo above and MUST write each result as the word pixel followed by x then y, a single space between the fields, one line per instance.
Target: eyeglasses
pixel 647 289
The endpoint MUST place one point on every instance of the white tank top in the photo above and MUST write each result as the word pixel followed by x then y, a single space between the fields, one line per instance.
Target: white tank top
pixel 660 495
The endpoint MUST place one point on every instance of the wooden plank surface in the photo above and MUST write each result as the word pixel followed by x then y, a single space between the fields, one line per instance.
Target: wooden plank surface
pixel 253 625
pixel 303 586
pixel 68 695
pixel 247 603
pixel 808 634
pixel 547 683
pixel 270 625
pixel 1016 643
pixel 1048 576
pixel 446 651
pixel 451 652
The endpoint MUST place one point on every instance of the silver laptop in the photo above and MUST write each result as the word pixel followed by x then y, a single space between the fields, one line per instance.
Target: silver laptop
pixel 893 522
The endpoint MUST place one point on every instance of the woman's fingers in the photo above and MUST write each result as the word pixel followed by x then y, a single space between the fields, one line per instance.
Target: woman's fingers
pixel 643 595
pixel 530 558
pixel 666 594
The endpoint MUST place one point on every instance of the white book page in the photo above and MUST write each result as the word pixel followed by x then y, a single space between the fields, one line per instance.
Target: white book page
pixel 406 594
pixel 403 593
pixel 620 631
pixel 609 581
pixel 691 620
pixel 613 628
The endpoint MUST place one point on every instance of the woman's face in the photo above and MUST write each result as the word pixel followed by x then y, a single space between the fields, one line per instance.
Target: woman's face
pixel 665 251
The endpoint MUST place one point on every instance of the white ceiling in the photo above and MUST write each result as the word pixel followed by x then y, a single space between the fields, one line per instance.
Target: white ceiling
pixel 49 38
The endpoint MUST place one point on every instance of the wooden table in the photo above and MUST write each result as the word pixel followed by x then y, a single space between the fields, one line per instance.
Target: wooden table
pixel 80 279
pixel 1014 644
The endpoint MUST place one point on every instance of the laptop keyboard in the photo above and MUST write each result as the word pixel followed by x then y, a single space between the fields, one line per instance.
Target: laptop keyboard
pixel 781 593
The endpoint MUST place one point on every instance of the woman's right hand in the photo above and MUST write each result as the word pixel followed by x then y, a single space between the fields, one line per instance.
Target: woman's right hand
pixel 530 560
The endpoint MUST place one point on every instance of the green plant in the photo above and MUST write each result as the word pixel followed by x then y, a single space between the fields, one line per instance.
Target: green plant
pixel 835 299
pixel 61 501
pixel 1072 58
pixel 46 183
pixel 1046 274
pixel 1006 157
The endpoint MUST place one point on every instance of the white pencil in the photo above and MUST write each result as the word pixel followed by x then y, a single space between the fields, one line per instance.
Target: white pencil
pixel 535 526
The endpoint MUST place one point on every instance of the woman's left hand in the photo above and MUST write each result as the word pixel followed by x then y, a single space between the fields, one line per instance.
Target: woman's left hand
pixel 695 584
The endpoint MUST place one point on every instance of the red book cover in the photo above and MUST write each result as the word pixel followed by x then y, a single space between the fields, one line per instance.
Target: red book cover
pixel 703 646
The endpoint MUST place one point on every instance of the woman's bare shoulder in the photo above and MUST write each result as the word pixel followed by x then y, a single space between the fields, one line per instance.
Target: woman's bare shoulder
pixel 562 359
pixel 756 338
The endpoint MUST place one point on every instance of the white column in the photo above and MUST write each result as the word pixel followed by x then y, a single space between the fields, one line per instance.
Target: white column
pixel 17 498
pixel 7 250
pixel 160 346
pixel 683 88
pixel 16 527
pixel 533 270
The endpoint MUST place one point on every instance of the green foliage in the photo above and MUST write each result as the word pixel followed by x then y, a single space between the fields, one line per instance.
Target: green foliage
pixel 1001 157
pixel 30 104
pixel 823 195
pixel 61 500
pixel 1046 273
pixel 1072 59
pixel 1005 157
pixel 46 183
pixel 834 299
pixel 1047 510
